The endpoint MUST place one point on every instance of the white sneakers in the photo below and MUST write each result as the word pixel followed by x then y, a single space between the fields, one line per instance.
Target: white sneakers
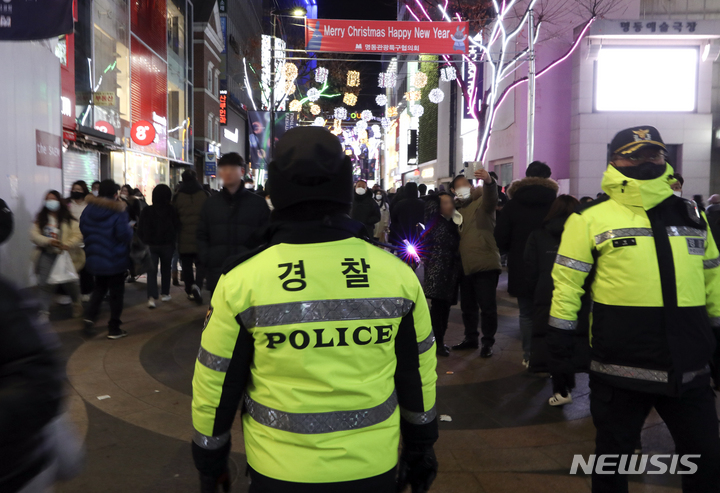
pixel 165 297
pixel 151 303
pixel 558 400
pixel 526 363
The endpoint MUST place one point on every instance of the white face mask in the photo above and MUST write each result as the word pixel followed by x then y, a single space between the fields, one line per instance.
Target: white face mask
pixel 360 190
pixel 269 203
pixel 249 185
pixel 52 205
pixel 463 192
pixel 677 193
pixel 378 197
pixel 96 192
pixel 457 218
pixel 123 196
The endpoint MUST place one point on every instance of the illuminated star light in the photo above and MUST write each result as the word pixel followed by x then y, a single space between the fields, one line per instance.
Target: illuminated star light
pixel 295 105
pixel 350 99
pixel 448 74
pixel 417 110
pixel 361 125
pixel 291 71
pixel 436 95
pixel 313 94
pixel 315 109
pixel 319 122
pixel 387 80
pixel 420 80
pixel 353 78
pixel 321 75
pixel 385 122
pixel 366 115
pixel 381 100
pixel 392 111
pixel 340 113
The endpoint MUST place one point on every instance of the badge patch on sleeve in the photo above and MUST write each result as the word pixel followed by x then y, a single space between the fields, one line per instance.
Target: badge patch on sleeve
pixel 696 246
pixel 207 317
pixel 623 242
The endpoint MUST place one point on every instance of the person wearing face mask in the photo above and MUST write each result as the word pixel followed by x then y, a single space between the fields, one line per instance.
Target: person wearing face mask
pixel 676 184
pixel 77 205
pixel 480 259
pixel 95 188
pixel 442 262
pixel 381 228
pixel 54 231
pixel 364 207
pixel 250 185
pixel 654 274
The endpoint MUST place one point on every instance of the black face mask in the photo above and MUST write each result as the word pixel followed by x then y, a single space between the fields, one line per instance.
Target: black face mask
pixel 77 195
pixel 643 171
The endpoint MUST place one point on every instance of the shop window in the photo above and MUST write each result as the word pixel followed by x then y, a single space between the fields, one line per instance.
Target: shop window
pixel 210 127
pixel 217 129
pixel 209 85
pixel 216 87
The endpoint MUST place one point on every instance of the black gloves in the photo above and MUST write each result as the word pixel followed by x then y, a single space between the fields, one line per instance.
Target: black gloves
pixel 418 467
pixel 211 484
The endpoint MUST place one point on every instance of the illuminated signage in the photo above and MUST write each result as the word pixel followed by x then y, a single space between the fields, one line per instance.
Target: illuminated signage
pixel 142 133
pixel 66 106
pixel 232 136
pixel 103 126
pixel 223 108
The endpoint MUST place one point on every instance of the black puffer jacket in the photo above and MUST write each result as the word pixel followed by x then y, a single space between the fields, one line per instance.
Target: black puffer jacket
pixel 540 253
pixel 226 228
pixel 365 210
pixel 31 380
pixel 188 202
pixel 442 254
pixel 406 214
pixel 530 201
pixel 159 223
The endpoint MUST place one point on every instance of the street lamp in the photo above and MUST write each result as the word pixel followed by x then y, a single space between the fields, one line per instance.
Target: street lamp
pixel 298 12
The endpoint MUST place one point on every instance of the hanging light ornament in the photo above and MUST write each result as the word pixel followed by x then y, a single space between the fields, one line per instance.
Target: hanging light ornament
pixel 448 74
pixel 385 122
pixel 361 125
pixel 381 100
pixel 363 136
pixel 392 111
pixel 366 115
pixel 387 79
pixel 349 99
pixel 313 94
pixel 291 71
pixel 353 78
pixel 420 80
pixel 295 105
pixel 340 113
pixel 376 130
pixel 321 75
pixel 290 87
pixel 315 109
pixel 413 95
pixel 436 95
pixel 319 122
pixel 417 110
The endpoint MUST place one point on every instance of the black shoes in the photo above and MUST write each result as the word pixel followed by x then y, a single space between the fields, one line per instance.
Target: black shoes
pixel 443 351
pixel 117 334
pixel 466 344
pixel 486 351
pixel 197 294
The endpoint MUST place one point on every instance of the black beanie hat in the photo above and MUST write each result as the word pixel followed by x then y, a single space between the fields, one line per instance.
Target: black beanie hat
pixel 309 165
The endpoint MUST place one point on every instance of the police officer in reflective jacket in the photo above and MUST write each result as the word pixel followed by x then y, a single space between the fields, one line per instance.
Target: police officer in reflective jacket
pixel 654 275
pixel 324 340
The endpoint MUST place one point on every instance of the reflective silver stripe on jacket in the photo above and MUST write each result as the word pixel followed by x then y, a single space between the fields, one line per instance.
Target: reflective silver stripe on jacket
pixel 622 233
pixel 559 323
pixel 685 231
pixel 573 264
pixel 213 361
pixel 711 264
pixel 316 423
pixel 642 373
pixel 418 418
pixel 325 311
pixel 426 344
pixel 211 443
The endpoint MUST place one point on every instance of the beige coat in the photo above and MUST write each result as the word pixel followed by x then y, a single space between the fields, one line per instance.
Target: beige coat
pixel 478 250
pixel 70 236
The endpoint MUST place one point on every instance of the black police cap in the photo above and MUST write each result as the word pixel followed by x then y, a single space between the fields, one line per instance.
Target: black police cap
pixel 629 141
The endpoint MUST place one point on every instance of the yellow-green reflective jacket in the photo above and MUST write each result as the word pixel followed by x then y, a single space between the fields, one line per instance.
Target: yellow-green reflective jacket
pixel 331 343
pixel 655 285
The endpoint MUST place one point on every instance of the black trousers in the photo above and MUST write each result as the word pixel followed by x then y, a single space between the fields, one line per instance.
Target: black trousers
pixel 439 316
pixel 87 282
pixel 163 254
pixel 619 414
pixel 384 483
pixel 115 284
pixel 479 292
pixel 189 276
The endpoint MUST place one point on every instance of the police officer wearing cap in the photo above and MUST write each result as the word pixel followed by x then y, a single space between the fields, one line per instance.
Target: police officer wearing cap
pixel 330 362
pixel 654 276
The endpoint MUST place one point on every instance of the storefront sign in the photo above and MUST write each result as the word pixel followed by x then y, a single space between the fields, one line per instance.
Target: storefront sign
pixel 210 164
pixel 103 126
pixel 231 136
pixel 650 27
pixel 223 107
pixel 48 149
pixel 69 136
pixel 104 98
pixel 40 19
pixel 348 36
pixel 142 133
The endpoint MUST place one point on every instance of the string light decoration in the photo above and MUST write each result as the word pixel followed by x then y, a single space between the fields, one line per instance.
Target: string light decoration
pixel 392 111
pixel 315 109
pixel 349 99
pixel 295 105
pixel 353 78
pixel 420 80
pixel 381 100
pixel 319 122
pixel 387 79
pixel 413 96
pixel 376 131
pixel 417 110
pixel 363 136
pixel 361 125
pixel 290 87
pixel 340 113
pixel 291 71
pixel 321 75
pixel 313 94
pixel 385 122
pixel 366 115
pixel 448 74
pixel 436 95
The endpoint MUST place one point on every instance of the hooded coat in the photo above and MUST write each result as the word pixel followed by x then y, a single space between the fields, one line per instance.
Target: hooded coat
pixel 106 229
pixel 530 201
pixel 159 223
pixel 188 202
pixel 365 210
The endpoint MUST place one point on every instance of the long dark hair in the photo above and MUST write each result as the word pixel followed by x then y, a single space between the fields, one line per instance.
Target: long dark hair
pixel 563 206
pixel 81 184
pixel 63 213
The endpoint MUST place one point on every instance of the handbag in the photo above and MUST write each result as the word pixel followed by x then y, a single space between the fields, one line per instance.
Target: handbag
pixel 140 255
pixel 63 270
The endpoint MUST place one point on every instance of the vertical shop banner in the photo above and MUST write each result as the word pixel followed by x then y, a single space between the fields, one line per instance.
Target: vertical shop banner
pixel 473 76
pixel 21 20
pixel 351 36
pixel 259 135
